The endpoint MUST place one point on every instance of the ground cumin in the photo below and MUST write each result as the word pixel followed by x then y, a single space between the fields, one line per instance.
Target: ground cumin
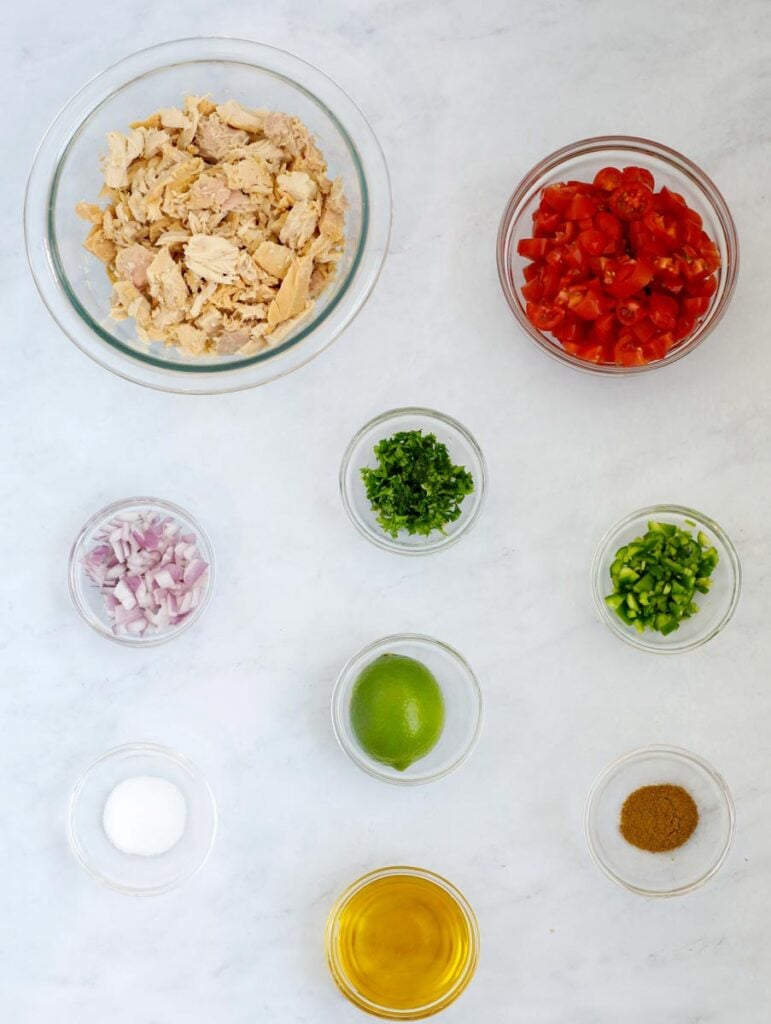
pixel 659 818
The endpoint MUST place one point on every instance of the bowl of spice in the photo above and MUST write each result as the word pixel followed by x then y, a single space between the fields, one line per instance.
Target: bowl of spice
pixel 141 571
pixel 413 481
pixel 407 709
pixel 659 821
pixel 142 819
pixel 666 579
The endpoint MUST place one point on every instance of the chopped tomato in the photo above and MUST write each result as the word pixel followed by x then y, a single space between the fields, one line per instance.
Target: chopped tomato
pixel 628 351
pixel 532 248
pixel 615 271
pixel 608 179
pixel 593 242
pixel 631 201
pixel 640 175
pixel 581 206
pixel 629 311
pixel 695 305
pixel 663 311
pixel 544 316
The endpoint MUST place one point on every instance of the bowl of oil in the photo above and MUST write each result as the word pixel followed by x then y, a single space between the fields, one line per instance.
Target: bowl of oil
pixel 402 943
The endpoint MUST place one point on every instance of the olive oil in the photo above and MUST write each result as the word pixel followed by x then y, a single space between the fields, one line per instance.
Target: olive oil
pixel 402 941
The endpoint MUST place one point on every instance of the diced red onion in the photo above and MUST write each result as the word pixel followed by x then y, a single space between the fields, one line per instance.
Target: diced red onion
pixel 151 575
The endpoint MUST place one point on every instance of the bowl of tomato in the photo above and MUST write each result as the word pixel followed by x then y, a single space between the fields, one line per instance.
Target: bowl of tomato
pixel 617 255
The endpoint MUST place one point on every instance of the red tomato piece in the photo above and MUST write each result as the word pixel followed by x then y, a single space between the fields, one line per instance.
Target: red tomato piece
pixel 629 311
pixel 545 222
pixel 544 316
pixel 640 175
pixel 663 227
pixel 683 327
pixel 558 196
pixel 629 277
pixel 609 225
pixel 694 305
pixel 589 308
pixel 532 248
pixel 608 179
pixel 593 242
pixel 628 350
pixel 663 311
pixel 531 271
pixel 581 206
pixel 532 291
pixel 631 201
pixel 643 330
pixel 705 287
pixel 656 348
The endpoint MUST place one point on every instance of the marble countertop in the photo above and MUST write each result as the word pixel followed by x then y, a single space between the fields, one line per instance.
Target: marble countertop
pixel 464 98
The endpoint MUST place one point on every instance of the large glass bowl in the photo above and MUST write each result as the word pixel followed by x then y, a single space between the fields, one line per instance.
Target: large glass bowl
pixel 73 283
pixel 677 871
pixel 716 607
pixel 580 161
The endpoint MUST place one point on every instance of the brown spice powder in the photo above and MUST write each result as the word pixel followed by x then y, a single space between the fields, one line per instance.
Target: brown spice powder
pixel 659 818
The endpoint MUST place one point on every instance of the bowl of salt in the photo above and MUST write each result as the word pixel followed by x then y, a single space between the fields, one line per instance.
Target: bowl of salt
pixel 142 819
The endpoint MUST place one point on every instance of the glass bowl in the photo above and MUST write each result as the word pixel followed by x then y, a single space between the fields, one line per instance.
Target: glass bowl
pixel 464 451
pixel 581 161
pixel 74 284
pixel 715 607
pixel 132 874
pixel 677 871
pixel 87 597
pixel 462 951
pixel 462 708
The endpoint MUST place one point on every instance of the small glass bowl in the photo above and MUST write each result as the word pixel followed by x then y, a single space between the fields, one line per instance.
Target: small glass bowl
pixel 336 964
pixel 715 607
pixel 464 451
pixel 132 874
pixel 462 708
pixel 677 871
pixel 87 597
pixel 73 283
pixel 581 161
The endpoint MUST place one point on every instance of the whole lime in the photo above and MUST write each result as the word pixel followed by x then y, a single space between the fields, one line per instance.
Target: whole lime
pixel 397 710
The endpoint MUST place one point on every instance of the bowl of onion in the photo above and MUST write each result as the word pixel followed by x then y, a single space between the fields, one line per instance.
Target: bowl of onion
pixel 141 571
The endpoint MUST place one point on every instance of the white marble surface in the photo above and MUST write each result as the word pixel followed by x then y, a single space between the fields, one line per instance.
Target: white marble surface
pixel 464 98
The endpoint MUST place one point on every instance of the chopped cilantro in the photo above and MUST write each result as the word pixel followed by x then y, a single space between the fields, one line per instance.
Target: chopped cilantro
pixel 415 486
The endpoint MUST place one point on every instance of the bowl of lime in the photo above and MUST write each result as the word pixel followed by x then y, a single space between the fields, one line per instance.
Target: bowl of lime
pixel 407 709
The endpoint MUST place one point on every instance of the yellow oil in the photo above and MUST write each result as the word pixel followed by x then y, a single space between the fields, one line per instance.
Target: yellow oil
pixel 403 942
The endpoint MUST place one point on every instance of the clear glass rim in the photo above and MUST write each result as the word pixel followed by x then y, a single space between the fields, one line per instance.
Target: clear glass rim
pixel 338 713
pixel 386 542
pixel 678 753
pixel 74 568
pixel 180 761
pixel 632 144
pixel 46 266
pixel 339 976
pixel 634 638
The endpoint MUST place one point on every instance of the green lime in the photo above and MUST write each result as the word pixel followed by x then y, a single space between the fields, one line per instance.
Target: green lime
pixel 397 710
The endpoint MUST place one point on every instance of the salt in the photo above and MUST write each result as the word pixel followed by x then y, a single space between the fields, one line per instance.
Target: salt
pixel 145 816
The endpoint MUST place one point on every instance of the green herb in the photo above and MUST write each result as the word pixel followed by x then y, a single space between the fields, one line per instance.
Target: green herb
pixel 656 577
pixel 415 486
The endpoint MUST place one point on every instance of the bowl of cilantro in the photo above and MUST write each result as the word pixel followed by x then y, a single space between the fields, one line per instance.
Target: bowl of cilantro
pixel 413 481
